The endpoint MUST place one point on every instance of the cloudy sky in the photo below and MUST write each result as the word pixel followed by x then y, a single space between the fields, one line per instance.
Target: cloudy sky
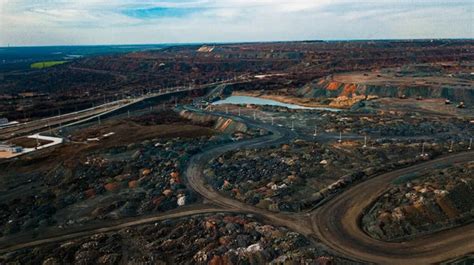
pixel 54 22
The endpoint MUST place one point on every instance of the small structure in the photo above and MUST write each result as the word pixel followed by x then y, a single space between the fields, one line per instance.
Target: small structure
pixel 10 148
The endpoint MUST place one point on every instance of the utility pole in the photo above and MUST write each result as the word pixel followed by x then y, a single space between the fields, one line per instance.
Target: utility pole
pixel 60 123
pixel 315 130
pixel 470 144
pixel 365 141
pixel 272 121
pixel 239 111
pixel 340 137
pixel 254 115
pixel 451 147
pixel 423 150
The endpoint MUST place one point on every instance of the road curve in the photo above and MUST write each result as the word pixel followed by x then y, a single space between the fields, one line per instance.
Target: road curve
pixel 336 223
pixel 194 176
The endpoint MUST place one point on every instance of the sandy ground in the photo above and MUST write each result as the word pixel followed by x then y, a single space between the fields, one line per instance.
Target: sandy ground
pixel 7 155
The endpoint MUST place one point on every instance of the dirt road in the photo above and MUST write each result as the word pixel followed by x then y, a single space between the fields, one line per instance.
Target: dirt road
pixel 335 223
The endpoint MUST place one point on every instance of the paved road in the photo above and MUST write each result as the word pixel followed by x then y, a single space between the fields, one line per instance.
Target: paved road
pixel 78 117
pixel 43 124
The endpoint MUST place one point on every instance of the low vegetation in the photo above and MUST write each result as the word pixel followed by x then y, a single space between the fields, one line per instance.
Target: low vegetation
pixel 46 64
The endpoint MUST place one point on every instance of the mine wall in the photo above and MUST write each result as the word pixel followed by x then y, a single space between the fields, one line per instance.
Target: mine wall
pixel 332 89
pixel 224 125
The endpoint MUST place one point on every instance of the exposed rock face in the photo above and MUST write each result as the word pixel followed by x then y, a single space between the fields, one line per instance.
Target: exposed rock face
pixel 351 93
pixel 221 124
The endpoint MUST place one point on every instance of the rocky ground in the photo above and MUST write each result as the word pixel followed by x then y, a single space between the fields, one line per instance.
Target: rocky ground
pixel 135 171
pixel 374 119
pixel 297 176
pixel 391 123
pixel 384 118
pixel 209 239
pixel 419 204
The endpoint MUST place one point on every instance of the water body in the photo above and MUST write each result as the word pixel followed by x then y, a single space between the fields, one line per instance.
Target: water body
pixel 237 100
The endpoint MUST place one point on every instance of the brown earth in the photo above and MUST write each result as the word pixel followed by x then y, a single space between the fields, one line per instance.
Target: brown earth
pixel 28 142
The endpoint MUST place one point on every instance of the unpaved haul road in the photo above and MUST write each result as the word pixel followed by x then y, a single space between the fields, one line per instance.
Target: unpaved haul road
pixel 178 213
pixel 196 180
pixel 337 224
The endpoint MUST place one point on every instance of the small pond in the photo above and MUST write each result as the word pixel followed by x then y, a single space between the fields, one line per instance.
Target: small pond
pixel 262 101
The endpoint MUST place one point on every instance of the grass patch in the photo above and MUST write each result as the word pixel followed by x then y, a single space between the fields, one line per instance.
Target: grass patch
pixel 46 64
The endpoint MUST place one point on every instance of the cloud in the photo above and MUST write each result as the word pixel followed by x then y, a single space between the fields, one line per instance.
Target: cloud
pixel 46 22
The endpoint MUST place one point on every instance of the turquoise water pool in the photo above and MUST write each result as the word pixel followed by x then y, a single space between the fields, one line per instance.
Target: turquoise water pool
pixel 261 101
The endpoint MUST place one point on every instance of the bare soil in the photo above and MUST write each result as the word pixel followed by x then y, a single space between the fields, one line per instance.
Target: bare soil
pixel 26 142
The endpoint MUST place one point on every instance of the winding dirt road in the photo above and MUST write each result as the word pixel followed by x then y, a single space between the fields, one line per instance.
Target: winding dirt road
pixel 335 223
pixel 8 246
pixel 196 180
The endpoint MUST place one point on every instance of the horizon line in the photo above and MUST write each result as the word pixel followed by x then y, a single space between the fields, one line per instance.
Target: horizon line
pixel 237 42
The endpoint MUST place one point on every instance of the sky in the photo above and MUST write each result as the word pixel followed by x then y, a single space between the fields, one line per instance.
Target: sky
pixel 89 22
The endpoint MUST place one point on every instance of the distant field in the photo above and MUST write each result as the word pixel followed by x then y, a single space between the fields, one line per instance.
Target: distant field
pixel 41 65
